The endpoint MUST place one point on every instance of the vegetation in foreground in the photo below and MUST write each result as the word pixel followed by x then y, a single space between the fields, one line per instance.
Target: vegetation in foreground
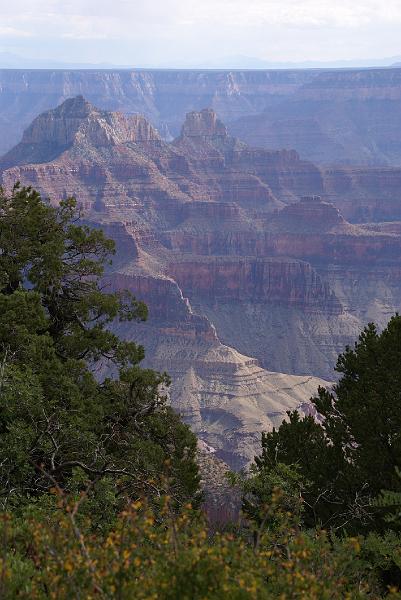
pixel 98 479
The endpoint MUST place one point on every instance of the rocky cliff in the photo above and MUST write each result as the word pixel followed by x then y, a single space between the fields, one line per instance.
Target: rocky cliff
pixel 284 281
pixel 76 121
pixel 254 281
pixel 162 96
pixel 364 194
pixel 111 161
pixel 335 116
pixel 341 116
pixel 226 397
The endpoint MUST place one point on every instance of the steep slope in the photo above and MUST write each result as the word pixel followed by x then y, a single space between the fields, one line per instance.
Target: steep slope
pixel 293 314
pixel 226 397
pixel 328 116
pixel 162 96
pixel 243 278
pixel 344 117
pixel 364 194
pixel 134 185
pixel 110 160
pixel 73 122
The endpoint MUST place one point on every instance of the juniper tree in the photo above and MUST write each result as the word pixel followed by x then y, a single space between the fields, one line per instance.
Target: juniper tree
pixel 59 423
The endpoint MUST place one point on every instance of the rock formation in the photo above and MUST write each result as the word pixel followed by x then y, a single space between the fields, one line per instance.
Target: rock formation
pixel 364 194
pixel 222 502
pixel 226 397
pixel 347 116
pixel 76 121
pixel 249 270
pixel 156 94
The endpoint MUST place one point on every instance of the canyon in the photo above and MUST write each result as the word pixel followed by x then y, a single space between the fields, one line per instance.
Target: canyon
pixel 258 266
pixel 336 116
pixel 349 117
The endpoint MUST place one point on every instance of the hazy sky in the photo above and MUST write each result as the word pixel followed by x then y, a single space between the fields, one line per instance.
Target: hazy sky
pixel 161 32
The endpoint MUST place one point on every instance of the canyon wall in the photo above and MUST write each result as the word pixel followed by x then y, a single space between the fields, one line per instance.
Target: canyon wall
pixel 163 96
pixel 329 116
pixel 340 116
pixel 225 396
pixel 254 278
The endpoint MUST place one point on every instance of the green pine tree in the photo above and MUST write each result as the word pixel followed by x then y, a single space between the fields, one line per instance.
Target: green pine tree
pixel 60 425
pixel 354 451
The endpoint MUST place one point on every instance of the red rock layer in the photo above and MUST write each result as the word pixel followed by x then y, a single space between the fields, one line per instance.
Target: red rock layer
pixel 281 281
pixel 166 304
pixel 310 230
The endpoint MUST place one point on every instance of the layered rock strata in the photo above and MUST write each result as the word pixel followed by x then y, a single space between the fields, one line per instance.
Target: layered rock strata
pixel 226 397
pixel 346 117
pixel 328 116
pixel 247 270
pixel 164 96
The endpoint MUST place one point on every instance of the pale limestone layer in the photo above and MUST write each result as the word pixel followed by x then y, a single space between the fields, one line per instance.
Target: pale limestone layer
pixel 230 409
pixel 231 412
pixel 226 397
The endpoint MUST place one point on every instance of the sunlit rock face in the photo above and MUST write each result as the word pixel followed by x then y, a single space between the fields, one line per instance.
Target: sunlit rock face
pixel 254 278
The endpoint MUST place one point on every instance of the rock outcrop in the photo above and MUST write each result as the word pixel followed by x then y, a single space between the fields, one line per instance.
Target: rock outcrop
pixel 76 121
pixel 288 282
pixel 204 125
pixel 222 501
pixel 111 162
pixel 156 94
pixel 364 194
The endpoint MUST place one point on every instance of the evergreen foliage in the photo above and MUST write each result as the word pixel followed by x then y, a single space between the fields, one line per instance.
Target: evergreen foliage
pixel 98 479
pixel 390 501
pixel 60 422
pixel 354 450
